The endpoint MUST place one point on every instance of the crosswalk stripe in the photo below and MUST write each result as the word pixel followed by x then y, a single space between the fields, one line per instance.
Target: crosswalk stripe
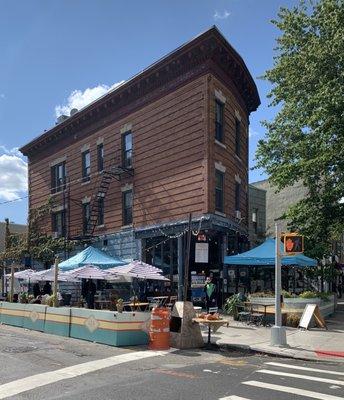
pixel 293 390
pixel 304 368
pixel 298 376
pixel 34 381
pixel 233 398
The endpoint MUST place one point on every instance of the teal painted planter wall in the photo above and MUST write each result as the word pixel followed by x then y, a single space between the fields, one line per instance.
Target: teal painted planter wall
pixel 57 321
pixel 34 317
pixel 107 327
pixel 12 314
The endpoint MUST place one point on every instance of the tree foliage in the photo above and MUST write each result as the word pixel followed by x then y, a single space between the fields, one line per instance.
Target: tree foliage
pixel 36 243
pixel 305 141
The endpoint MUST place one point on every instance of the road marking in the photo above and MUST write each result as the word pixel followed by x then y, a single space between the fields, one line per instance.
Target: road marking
pixel 304 368
pixel 32 382
pixel 306 377
pixel 233 398
pixel 293 390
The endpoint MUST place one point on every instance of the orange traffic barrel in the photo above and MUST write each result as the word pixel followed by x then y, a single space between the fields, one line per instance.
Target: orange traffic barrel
pixel 159 332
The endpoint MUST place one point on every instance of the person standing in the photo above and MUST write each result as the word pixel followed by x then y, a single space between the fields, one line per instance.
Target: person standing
pixel 36 290
pixel 90 290
pixel 47 288
pixel 210 293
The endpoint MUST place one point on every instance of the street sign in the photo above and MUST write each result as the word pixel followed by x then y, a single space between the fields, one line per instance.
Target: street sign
pixel 293 243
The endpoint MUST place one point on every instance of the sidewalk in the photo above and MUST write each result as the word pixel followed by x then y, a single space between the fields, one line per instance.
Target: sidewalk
pixel 315 344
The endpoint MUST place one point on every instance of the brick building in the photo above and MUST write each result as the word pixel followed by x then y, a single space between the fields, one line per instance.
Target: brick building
pixel 127 170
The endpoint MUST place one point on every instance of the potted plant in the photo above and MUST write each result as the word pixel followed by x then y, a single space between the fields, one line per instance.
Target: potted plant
pixel 231 305
pixel 119 305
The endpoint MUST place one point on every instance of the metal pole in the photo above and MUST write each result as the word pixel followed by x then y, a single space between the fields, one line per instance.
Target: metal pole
pixel 187 260
pixel 278 334
pixel 180 268
pixel 12 284
pixel 278 315
pixel 56 280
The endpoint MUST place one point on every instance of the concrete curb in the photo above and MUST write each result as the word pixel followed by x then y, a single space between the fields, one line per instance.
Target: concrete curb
pixel 278 353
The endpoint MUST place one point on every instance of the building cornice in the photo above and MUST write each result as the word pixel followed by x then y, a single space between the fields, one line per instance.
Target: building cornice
pixel 193 59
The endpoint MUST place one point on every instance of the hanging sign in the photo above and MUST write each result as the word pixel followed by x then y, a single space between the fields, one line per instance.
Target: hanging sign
pixel 201 252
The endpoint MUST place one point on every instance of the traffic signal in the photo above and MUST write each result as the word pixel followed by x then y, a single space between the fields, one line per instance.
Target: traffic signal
pixel 293 243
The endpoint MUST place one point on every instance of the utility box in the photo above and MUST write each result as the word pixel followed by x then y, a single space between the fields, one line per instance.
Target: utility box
pixel 184 334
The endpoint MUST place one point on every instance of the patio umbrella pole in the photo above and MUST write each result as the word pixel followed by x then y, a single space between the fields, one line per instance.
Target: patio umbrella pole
pixel 12 284
pixel 55 280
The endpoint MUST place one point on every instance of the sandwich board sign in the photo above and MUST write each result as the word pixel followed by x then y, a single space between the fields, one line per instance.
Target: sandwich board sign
pixel 310 311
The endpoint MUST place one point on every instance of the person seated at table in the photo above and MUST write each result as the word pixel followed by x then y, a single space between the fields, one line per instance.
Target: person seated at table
pixel 36 290
pixel 47 288
pixel 88 293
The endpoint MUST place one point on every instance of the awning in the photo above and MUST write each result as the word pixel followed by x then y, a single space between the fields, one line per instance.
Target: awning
pixel 264 254
pixel 91 256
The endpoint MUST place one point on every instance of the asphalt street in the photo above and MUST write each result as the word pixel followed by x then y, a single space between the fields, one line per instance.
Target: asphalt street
pixel 40 366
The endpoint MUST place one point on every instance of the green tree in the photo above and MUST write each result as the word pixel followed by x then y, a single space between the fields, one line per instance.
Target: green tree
pixel 305 141
pixel 36 243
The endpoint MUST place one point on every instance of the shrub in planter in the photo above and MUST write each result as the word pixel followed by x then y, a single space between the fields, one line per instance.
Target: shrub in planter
pixel 308 295
pixel 293 320
pixel 231 305
pixel 263 294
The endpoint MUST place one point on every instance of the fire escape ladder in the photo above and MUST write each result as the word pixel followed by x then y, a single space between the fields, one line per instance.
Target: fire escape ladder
pixel 101 193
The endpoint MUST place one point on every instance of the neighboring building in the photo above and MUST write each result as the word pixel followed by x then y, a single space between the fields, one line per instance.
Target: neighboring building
pixel 127 170
pixel 277 203
pixel 257 215
pixel 14 228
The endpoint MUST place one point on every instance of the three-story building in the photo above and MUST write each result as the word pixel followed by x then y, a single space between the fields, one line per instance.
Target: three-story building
pixel 127 170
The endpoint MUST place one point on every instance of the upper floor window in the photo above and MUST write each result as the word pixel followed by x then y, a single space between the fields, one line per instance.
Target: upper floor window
pixel 237 136
pixel 219 192
pixel 127 207
pixel 86 165
pixel 58 177
pixel 127 146
pixel 100 157
pixel 100 211
pixel 237 196
pixel 219 107
pixel 58 223
pixel 86 215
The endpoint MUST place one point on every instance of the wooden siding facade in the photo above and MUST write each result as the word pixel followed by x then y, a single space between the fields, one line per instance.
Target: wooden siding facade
pixel 175 153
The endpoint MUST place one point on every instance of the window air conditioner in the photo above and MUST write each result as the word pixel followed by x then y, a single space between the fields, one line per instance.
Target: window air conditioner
pixel 55 235
pixel 238 214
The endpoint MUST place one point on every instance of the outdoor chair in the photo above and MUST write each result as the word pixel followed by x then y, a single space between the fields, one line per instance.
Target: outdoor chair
pixel 256 317
pixel 244 313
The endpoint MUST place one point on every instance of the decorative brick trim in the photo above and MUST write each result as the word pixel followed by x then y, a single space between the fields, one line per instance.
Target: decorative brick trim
pixel 220 167
pixel 127 127
pixel 58 161
pixel 219 96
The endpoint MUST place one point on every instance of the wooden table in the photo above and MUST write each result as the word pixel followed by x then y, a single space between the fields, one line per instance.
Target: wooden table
pixel 212 325
pixel 102 303
pixel 253 305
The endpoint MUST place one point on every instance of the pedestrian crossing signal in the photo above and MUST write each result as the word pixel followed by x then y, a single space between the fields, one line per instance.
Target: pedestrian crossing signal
pixel 293 243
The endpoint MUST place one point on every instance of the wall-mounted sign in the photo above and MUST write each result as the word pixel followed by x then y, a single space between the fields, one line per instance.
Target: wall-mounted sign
pixel 201 252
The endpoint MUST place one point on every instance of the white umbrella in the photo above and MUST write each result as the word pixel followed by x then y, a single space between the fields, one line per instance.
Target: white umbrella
pixel 49 275
pixel 89 272
pixel 24 274
pixel 139 269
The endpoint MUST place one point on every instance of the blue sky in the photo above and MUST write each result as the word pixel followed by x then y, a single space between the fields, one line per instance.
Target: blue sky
pixel 58 54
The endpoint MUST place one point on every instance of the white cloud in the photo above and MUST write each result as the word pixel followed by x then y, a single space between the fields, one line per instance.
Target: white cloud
pixel 224 15
pixel 78 99
pixel 13 174
pixel 252 133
